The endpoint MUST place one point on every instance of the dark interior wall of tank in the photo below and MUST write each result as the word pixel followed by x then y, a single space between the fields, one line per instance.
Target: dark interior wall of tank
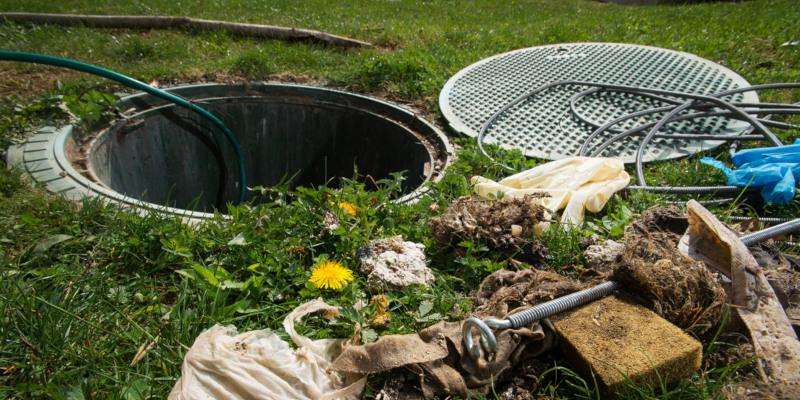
pixel 312 143
pixel 168 160
pixel 173 158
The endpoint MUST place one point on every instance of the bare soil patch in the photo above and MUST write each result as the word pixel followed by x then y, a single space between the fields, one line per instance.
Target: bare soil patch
pixel 27 84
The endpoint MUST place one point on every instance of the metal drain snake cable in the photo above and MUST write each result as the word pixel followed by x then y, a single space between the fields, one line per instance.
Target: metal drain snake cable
pixel 780 109
pixel 667 118
pixel 733 110
pixel 529 316
pixel 133 83
pixel 732 107
pixel 632 89
pixel 671 116
pixel 765 234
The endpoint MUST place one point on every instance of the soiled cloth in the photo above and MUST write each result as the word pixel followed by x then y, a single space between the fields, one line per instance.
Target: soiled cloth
pixel 574 184
pixel 439 355
pixel 774 339
pixel 259 365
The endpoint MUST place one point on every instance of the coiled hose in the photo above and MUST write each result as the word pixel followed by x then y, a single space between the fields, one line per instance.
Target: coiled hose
pixel 133 83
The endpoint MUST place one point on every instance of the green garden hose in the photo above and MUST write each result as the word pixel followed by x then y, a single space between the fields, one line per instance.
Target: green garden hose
pixel 133 83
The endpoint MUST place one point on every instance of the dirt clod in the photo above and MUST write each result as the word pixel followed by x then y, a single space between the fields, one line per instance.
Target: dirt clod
pixel 394 264
pixel 602 257
pixel 398 388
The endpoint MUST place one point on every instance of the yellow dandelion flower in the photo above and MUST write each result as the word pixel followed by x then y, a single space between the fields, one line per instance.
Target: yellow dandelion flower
pixel 330 275
pixel 347 207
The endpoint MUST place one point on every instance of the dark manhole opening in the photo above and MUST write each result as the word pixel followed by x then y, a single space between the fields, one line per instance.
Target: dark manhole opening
pixel 168 156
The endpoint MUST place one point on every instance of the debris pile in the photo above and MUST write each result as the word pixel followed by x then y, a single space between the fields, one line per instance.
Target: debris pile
pixel 676 273
pixel 506 292
pixel 508 226
pixel 756 305
pixel 674 286
pixel 444 366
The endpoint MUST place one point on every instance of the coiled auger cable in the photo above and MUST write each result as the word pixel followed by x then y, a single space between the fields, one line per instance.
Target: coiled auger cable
pixel 681 102
pixel 653 92
pixel 733 110
pixel 768 233
pixel 135 84
pixel 529 316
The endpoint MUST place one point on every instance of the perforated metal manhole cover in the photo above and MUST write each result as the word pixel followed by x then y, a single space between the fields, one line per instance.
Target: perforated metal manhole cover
pixel 544 126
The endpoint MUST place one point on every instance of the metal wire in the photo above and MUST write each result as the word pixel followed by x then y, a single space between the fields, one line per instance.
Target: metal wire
pixel 488 340
pixel 766 234
pixel 529 316
pixel 562 304
pixel 746 107
pixel 681 136
pixel 740 111
pixel 766 220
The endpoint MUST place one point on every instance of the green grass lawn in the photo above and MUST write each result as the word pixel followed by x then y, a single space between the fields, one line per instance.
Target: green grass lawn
pixel 84 286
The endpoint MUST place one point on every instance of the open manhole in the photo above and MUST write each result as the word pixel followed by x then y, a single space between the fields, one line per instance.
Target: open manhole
pixel 165 157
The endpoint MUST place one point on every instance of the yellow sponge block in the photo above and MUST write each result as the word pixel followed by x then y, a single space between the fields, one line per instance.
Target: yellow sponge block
pixel 611 337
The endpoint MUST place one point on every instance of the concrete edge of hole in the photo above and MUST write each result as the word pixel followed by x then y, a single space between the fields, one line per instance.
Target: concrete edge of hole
pixel 44 155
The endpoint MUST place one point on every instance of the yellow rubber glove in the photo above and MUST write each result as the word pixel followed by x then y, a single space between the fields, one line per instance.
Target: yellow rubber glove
pixel 574 184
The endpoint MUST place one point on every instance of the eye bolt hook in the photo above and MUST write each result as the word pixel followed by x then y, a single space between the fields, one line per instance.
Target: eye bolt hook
pixel 488 340
pixel 529 316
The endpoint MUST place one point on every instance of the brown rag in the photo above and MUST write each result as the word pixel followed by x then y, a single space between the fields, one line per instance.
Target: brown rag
pixel 439 355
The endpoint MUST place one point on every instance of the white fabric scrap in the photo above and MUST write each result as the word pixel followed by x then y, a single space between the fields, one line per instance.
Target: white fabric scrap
pixel 259 365
pixel 574 184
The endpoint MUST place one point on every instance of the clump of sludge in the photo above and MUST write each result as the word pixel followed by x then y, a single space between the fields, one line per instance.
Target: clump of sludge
pixel 673 285
pixel 507 225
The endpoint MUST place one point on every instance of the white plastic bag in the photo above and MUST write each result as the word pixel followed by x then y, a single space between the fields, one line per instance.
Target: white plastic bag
pixel 575 184
pixel 259 365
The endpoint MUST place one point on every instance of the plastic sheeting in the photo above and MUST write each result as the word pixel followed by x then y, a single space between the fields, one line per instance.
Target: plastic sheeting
pixel 774 169
pixel 259 365
pixel 574 184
